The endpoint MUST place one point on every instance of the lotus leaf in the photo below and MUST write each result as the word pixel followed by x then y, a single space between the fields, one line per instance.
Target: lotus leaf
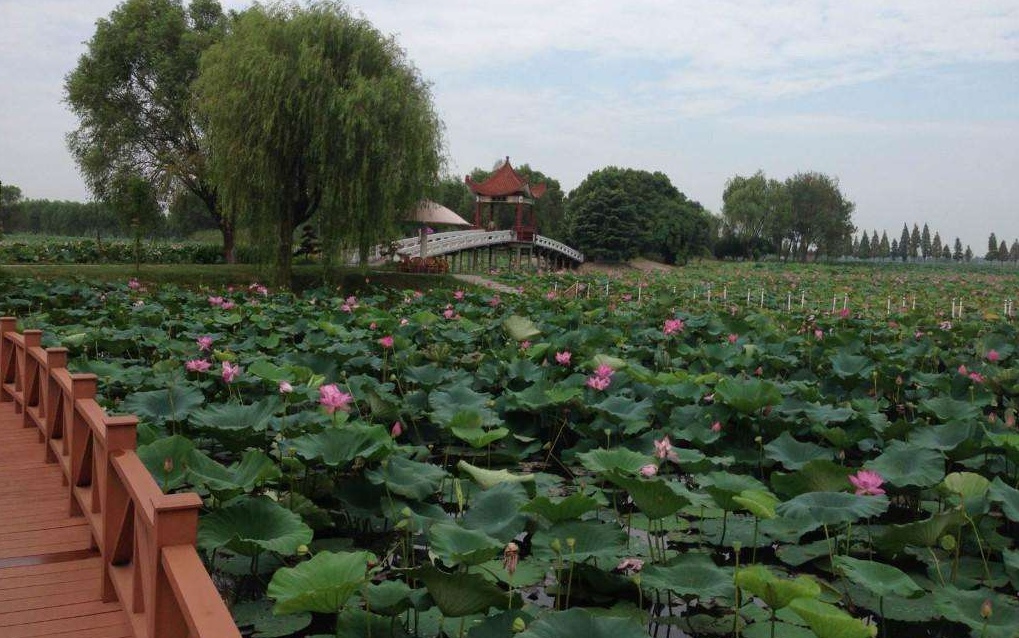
pixel 903 464
pixel 815 476
pixel 322 584
pixel 461 594
pixel 573 506
pixel 828 621
pixel 520 328
pixel 925 533
pixel 794 454
pixel 760 503
pixel 690 575
pixel 338 446
pixel 832 508
pixel 466 425
pixel 881 579
pixel 254 468
pixel 456 545
pixel 655 498
pixel 747 395
pixel 949 410
pixel 850 366
pixel 496 511
pixel 581 623
pixel 1007 496
pixel 971 488
pixel 173 403
pixel 254 525
pixel 412 479
pixel 724 487
pixel 167 460
pixel 965 606
pixel 775 591
pixel 489 478
pixel 604 541
pixel 388 598
pixel 264 624
pixel 619 460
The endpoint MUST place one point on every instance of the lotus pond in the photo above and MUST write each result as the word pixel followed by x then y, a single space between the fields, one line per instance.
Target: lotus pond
pixel 730 450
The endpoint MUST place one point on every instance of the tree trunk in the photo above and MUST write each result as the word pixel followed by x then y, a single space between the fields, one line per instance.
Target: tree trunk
pixel 227 228
pixel 285 248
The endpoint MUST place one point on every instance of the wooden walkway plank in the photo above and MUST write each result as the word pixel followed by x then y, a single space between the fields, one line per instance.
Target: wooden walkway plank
pixel 50 581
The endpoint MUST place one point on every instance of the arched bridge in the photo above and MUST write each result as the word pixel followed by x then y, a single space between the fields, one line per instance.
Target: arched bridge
pixel 439 244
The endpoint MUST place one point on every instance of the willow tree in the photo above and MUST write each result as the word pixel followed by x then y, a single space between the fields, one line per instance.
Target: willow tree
pixel 311 111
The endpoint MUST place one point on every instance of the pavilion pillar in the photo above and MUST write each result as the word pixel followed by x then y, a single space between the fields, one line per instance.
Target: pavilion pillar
pixel 520 218
pixel 477 212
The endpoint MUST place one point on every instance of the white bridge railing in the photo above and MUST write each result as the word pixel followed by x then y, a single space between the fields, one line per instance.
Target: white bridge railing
pixel 455 241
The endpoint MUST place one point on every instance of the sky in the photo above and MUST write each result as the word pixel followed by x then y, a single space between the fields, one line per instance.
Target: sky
pixel 912 104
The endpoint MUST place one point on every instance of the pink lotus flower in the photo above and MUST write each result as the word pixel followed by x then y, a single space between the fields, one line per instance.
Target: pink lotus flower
pixel 230 371
pixel 285 387
pixel 449 313
pixel 603 370
pixel 563 358
pixel 992 355
pixel 627 297
pixel 404 321
pixel 215 301
pixel 716 426
pixel 672 326
pixel 525 344
pixel 649 470
pixel 396 430
pixel 664 451
pixel 197 365
pixel 204 343
pixel 867 482
pixel 733 338
pixel 372 326
pixel 598 383
pixel 134 284
pixel 630 565
pixel 494 301
pixel 976 377
pixel 550 295
pixel 819 334
pixel 258 289
pixel 963 370
pixel 386 341
pixel 844 313
pixel 227 305
pixel 458 295
pixel 332 399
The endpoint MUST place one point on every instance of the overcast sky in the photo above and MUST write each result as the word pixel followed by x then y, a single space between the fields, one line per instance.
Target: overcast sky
pixel 912 104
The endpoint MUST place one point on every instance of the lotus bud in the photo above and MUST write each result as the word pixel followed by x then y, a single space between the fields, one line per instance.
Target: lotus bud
pixel 168 464
pixel 302 550
pixel 948 542
pixel 519 625
pixel 986 610
pixel 556 546
pixel 571 543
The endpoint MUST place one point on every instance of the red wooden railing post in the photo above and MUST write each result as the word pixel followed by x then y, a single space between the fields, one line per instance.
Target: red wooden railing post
pixel 29 368
pixel 83 386
pixel 176 523
pixel 56 359
pixel 7 367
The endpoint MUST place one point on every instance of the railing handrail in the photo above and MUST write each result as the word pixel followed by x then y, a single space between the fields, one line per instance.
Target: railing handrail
pixel 456 240
pixel 146 538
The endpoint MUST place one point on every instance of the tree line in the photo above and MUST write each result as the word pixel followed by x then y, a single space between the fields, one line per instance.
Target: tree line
pixel 911 245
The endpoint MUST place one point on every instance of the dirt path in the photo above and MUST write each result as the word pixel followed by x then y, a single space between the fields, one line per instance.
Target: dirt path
pixel 477 280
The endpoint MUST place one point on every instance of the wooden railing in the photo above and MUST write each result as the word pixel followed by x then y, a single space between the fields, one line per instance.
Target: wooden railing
pixel 146 538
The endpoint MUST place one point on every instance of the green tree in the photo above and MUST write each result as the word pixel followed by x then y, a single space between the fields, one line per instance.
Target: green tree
pixel 863 249
pixel 936 246
pixel 992 248
pixel 1003 251
pixel 884 249
pixel 925 242
pixel 10 199
pixel 820 216
pixel 968 255
pixel 549 209
pixel 312 111
pixel 134 202
pixel 1013 252
pixel 755 214
pixel 131 92
pixel 914 242
pixel 957 250
pixel 187 214
pixel 946 253
pixel 896 249
pixel 903 252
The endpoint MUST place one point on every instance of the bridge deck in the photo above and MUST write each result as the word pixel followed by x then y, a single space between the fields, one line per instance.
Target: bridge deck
pixel 49 571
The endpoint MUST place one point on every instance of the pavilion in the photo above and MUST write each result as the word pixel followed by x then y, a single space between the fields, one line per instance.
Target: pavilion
pixel 506 186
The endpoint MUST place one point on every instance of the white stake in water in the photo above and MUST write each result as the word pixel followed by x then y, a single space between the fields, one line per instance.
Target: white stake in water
pixel 789 302
pixel 833 300
pixel 762 297
pixel 914 302
pixel 748 297
pixel 803 298
pixel 953 307
pixel 725 293
pixel 845 301
pixel 888 306
pixel 709 294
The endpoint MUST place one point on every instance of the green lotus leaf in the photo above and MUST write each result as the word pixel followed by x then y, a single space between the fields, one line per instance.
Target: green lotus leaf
pixel 254 525
pixel 338 446
pixel 429 375
pixel 1010 559
pixel 592 539
pixel 466 425
pixel 724 487
pixel 405 477
pixel 520 328
pixel 920 609
pixel 254 468
pixel 265 624
pixel 1008 497
pixel 949 410
pixel 965 606
pixel 775 591
pixel 456 545
pixel 490 478
pixel 832 508
pixel 572 507
pixel 229 418
pixel 760 503
pixel 690 575
pixel 850 366
pixel 970 487
pixel 269 371
pixel 747 395
pixel 624 408
pixel 761 629
pixel 621 460
pixel 389 598
pixel 925 533
pixel 173 403
pixel 903 464
pixel 168 459
pixel 653 497
pixel 881 579
pixel 945 437
pixel 446 404
pixel 322 584
pixel 815 476
pixel 500 625
pixel 828 621
pixel 497 511
pixel 461 594
pixel 794 454
pixel 581 623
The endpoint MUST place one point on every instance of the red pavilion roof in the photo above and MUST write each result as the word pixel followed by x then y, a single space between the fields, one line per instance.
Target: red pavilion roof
pixel 504 182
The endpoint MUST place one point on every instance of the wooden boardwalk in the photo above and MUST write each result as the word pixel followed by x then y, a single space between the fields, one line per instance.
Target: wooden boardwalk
pixel 50 572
